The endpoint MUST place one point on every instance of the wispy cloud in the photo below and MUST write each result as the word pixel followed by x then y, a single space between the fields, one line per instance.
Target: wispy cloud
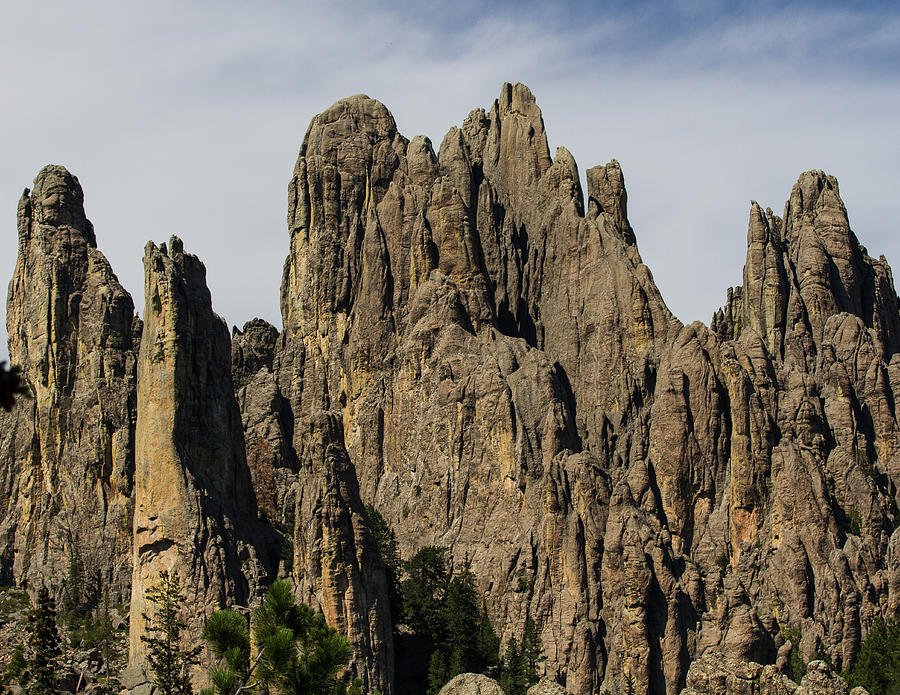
pixel 186 118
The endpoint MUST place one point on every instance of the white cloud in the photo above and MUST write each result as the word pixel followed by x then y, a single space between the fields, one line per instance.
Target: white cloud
pixel 186 118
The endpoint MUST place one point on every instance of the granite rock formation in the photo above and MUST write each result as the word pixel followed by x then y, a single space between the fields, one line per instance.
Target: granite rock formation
pixel 68 447
pixel 716 674
pixel 194 506
pixel 471 684
pixel 473 345
pixel 512 385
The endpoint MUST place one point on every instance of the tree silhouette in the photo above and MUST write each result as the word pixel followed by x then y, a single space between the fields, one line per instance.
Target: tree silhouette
pixel 43 646
pixel 169 660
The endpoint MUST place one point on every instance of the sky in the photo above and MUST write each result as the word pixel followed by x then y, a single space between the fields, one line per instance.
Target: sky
pixel 186 118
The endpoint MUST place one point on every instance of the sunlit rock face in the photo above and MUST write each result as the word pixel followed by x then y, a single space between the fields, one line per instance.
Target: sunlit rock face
pixel 510 384
pixel 473 345
pixel 194 506
pixel 67 449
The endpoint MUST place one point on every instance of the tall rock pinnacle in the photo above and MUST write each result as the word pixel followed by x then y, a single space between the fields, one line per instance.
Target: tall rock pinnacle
pixel 194 507
pixel 67 450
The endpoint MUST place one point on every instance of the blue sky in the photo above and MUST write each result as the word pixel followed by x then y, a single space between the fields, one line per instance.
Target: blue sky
pixel 186 118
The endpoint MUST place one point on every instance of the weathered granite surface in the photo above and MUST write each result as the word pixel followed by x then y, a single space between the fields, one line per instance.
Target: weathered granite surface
pixel 716 674
pixel 512 385
pixel 67 449
pixel 194 506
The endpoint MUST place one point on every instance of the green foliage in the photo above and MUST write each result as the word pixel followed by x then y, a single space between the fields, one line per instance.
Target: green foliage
pixel 511 669
pixel 169 661
pixel 447 613
pixel 877 668
pixel 532 651
pixel 298 653
pixel 15 669
pixel 796 665
pixel 438 673
pixel 629 684
pixel 229 640
pixel 80 596
pixel 854 522
pixel 386 540
pixel 423 591
pixel 519 669
pixel 42 650
pixel 287 554
pixel 97 632
pixel 487 651
pixel 722 561
pixel 460 617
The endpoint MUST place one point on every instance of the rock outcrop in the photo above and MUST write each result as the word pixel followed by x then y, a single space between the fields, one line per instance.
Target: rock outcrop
pixel 471 684
pixel 67 449
pixel 512 385
pixel 716 674
pixel 194 506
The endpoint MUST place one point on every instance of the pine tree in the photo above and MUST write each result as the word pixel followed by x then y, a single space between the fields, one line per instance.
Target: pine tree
pixel 438 673
pixel 532 653
pixel 519 669
pixel 487 651
pixel 169 661
pixel 229 640
pixel 460 616
pixel 43 646
pixel 424 590
pixel 103 637
pixel 298 654
pixel 877 667
pixel 511 669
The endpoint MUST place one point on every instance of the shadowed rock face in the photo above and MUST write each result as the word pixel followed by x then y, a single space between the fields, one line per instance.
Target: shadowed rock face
pixel 479 352
pixel 67 451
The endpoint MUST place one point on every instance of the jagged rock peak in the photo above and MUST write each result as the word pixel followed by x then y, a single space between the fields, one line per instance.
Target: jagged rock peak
pixel 804 268
pixel 56 201
pixel 194 506
pixel 66 452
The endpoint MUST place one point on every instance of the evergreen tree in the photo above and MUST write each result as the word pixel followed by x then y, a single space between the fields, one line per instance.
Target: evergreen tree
pixel 298 654
pixel 80 595
pixel 532 653
pixel 438 674
pixel 229 640
pixel 461 622
pixel 877 668
pixel 487 653
pixel 519 669
pixel 43 649
pixel 424 590
pixel 511 669
pixel 102 636
pixel 73 607
pixel 386 540
pixel 169 661
pixel 447 613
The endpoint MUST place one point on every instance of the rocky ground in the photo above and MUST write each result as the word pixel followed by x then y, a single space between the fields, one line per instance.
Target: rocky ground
pixel 82 668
